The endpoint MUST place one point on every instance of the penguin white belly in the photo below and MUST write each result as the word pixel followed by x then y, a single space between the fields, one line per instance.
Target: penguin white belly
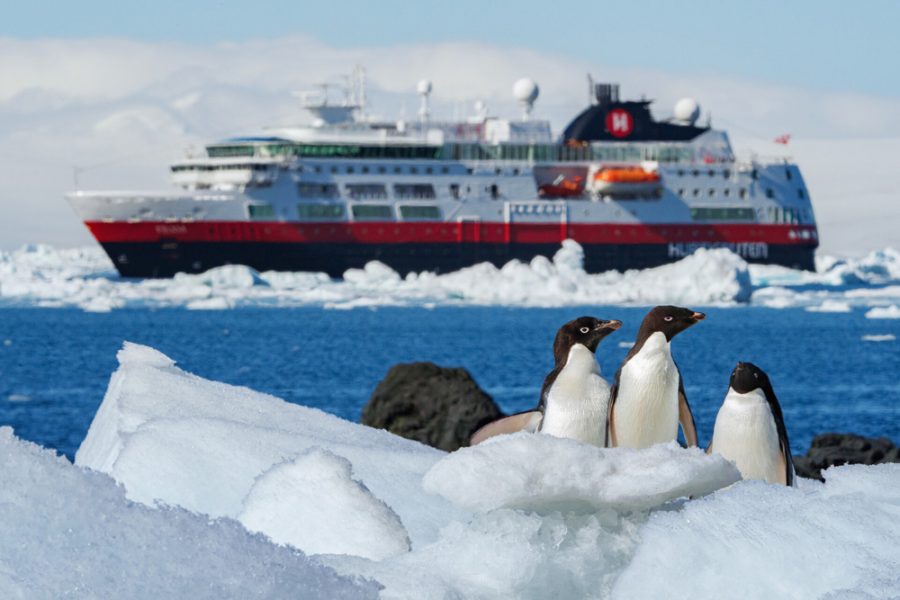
pixel 646 410
pixel 577 401
pixel 745 433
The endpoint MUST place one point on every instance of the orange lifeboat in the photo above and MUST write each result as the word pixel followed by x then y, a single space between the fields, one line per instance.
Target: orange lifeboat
pixel 626 175
pixel 626 182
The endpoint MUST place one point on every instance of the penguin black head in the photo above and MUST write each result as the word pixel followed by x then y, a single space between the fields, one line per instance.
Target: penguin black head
pixel 583 330
pixel 670 320
pixel 747 377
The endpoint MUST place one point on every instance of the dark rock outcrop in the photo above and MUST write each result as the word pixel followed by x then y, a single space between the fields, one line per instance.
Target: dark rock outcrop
pixel 831 449
pixel 438 406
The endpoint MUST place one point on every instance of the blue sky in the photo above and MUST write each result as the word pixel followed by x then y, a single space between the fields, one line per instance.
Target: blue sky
pixel 822 44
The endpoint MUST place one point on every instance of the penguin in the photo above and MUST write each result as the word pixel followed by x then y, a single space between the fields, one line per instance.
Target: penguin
pixel 750 428
pixel 647 401
pixel 574 396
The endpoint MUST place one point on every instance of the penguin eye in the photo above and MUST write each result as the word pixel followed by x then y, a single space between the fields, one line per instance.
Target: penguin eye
pixel 584 329
pixel 668 318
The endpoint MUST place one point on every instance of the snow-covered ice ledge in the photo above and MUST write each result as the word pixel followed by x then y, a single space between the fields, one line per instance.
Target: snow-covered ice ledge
pixel 523 516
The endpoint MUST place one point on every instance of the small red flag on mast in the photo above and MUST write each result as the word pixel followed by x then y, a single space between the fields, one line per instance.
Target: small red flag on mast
pixel 783 139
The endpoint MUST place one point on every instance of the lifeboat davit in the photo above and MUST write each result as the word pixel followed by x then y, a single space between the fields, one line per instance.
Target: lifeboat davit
pixel 626 181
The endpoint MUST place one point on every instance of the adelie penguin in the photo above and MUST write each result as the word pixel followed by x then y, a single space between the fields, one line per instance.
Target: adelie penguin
pixel 574 397
pixel 647 401
pixel 750 429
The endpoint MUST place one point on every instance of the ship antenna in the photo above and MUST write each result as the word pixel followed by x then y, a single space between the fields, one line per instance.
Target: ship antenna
pixel 592 91
pixel 424 90
pixel 361 100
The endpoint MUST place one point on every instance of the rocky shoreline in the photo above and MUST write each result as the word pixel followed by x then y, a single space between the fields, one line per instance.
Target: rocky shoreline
pixel 442 407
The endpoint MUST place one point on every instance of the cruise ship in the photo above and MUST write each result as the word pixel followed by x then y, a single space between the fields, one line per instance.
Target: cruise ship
pixel 434 195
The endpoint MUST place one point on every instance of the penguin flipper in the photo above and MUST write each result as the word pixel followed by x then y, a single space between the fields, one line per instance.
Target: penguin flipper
pixel 786 459
pixel 524 421
pixel 610 424
pixel 685 416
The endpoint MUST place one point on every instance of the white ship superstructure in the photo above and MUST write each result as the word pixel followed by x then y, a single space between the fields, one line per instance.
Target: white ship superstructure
pixel 433 195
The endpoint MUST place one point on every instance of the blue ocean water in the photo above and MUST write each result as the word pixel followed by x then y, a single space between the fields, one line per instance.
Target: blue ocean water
pixel 55 363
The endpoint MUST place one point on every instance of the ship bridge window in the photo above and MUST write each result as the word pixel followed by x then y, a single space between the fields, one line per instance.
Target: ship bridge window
pixel 731 213
pixel 366 190
pixel 261 211
pixel 320 211
pixel 788 174
pixel 425 212
pixel 229 151
pixel 770 193
pixel 317 190
pixel 372 212
pixel 414 190
pixel 800 193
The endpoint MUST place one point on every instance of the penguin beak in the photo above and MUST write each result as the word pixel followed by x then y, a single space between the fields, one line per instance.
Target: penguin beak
pixel 611 325
pixel 697 316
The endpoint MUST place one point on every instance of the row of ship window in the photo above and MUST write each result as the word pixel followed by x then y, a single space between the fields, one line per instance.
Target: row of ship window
pixel 359 211
pixel 742 192
pixel 754 174
pixel 431 213
pixel 400 169
pixel 465 151
pixel 376 191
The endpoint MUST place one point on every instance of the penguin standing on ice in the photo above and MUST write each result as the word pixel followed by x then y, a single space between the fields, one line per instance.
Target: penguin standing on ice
pixel 574 397
pixel 647 401
pixel 750 428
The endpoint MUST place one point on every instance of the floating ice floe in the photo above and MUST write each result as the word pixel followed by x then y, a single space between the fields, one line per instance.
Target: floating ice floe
pixel 831 306
pixel 885 337
pixel 884 312
pixel 524 516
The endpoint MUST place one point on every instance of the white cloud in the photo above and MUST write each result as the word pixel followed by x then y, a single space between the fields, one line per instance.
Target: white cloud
pixel 127 108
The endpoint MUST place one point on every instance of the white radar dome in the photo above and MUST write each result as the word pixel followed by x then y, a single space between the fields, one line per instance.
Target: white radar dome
pixel 525 90
pixel 424 87
pixel 687 110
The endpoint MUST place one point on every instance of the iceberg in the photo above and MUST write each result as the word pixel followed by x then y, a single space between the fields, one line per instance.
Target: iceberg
pixel 525 515
pixel 85 278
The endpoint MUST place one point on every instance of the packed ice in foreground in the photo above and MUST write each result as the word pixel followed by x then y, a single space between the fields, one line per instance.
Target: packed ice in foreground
pixel 344 510
pixel 85 278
